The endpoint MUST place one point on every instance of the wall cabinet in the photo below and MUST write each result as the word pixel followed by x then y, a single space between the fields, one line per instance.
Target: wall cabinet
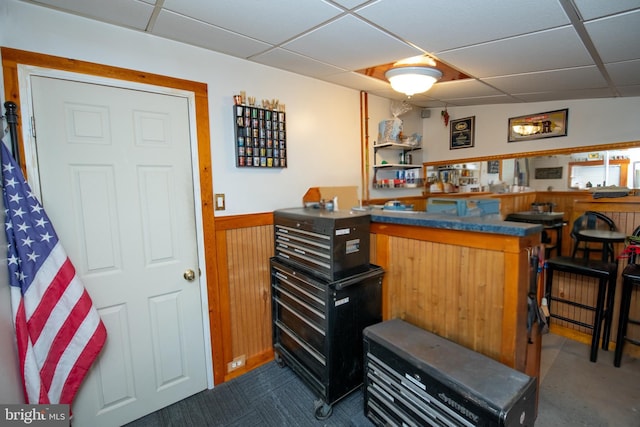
pixel 393 166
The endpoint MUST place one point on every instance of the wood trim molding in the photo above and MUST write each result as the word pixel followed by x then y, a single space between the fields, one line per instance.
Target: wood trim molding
pixel 552 152
pixel 233 222
pixel 472 239
pixel 11 58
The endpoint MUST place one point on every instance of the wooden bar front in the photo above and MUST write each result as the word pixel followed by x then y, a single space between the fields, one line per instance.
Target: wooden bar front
pixel 469 287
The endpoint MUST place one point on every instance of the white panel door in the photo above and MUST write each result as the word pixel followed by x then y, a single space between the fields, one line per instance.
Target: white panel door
pixel 116 181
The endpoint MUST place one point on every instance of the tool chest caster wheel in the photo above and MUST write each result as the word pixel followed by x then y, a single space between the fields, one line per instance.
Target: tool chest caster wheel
pixel 279 360
pixel 322 410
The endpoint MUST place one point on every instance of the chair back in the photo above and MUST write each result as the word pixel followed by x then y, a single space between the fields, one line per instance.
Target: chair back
pixel 633 257
pixel 590 220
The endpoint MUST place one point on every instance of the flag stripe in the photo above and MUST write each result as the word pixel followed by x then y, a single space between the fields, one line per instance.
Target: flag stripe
pixel 81 366
pixel 50 299
pixel 43 279
pixel 63 338
pixel 59 332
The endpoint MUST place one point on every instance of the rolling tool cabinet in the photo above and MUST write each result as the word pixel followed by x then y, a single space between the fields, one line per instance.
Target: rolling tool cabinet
pixel 324 293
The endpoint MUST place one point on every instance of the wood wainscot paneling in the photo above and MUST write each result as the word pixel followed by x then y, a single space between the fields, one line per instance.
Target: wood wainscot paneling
pixel 245 244
pixel 469 287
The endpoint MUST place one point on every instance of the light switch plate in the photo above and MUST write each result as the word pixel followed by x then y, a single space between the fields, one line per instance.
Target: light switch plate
pixel 219 202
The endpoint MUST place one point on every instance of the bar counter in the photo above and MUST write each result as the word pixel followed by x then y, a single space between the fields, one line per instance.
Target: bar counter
pixel 484 224
pixel 463 278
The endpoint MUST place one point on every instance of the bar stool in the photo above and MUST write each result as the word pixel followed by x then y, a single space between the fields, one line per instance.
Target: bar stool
pixel 630 280
pixel 592 220
pixel 606 273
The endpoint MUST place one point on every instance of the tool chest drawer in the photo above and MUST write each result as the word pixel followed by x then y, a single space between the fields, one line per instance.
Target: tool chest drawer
pixel 329 244
pixel 317 326
pixel 415 378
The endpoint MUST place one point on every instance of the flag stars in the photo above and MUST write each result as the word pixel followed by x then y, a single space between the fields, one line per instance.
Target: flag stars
pixel 46 237
pixel 18 212
pixel 13 260
pixel 8 167
pixel 15 198
pixel 23 227
pixel 36 208
pixel 33 256
pixel 20 276
pixel 12 182
pixel 41 222
pixel 27 241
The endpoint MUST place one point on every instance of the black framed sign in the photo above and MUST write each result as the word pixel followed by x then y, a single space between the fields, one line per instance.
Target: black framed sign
pixel 461 132
pixel 537 126
pixel 493 166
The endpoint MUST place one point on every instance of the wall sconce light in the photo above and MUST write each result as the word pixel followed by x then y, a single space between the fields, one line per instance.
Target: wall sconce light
pixel 413 79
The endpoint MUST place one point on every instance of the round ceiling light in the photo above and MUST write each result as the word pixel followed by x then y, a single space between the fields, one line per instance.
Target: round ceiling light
pixel 412 80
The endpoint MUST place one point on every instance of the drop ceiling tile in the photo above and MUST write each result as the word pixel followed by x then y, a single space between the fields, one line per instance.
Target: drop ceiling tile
pixel 351 44
pixel 616 38
pixel 629 90
pixel 544 50
pixel 567 79
pixel 462 89
pixel 624 73
pixel 481 100
pixel 432 104
pixel 439 25
pixel 127 13
pixel 590 9
pixel 566 94
pixel 188 30
pixel 291 61
pixel 273 21
pixel 361 82
pixel 350 4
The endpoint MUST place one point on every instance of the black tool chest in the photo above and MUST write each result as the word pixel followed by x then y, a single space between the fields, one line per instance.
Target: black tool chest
pixel 328 244
pixel 318 320
pixel 416 378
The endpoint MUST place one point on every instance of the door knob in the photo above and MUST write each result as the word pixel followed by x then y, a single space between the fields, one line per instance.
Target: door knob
pixel 189 275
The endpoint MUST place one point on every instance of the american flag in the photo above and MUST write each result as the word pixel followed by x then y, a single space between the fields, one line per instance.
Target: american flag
pixel 59 333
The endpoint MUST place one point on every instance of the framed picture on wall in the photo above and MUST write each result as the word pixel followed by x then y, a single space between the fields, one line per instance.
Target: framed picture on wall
pixel 461 133
pixel 493 166
pixel 537 126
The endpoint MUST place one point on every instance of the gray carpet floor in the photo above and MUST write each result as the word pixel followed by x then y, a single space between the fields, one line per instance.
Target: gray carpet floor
pixel 269 396
pixel 573 392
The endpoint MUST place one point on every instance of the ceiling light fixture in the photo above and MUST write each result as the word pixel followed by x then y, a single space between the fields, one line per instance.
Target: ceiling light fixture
pixel 413 79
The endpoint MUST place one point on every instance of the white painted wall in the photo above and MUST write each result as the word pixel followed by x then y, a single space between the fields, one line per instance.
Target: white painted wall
pixel 590 122
pixel 322 119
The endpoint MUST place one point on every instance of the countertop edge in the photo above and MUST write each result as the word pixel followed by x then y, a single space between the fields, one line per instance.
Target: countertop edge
pixel 483 224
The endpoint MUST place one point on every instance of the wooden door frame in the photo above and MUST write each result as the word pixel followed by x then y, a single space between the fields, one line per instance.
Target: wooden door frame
pixel 11 58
